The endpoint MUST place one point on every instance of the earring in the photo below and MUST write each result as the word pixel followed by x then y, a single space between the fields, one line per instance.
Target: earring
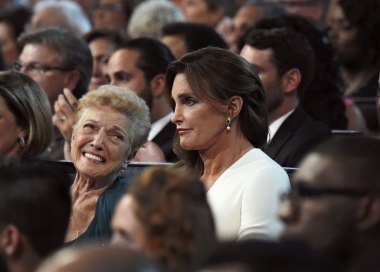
pixel 123 171
pixel 22 142
pixel 228 124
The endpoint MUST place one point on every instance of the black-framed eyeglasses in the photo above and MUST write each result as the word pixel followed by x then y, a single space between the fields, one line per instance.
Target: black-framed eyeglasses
pixel 108 7
pixel 37 68
pixel 302 190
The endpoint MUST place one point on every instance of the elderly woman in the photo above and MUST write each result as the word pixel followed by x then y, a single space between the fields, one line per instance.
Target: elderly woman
pixel 25 116
pixel 221 124
pixel 111 123
pixel 166 216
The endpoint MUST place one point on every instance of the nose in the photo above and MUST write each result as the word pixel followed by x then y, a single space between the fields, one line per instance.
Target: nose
pixel 96 68
pixel 98 141
pixel 177 116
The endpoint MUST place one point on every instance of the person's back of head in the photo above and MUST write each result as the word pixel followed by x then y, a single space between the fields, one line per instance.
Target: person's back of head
pixel 35 208
pixel 175 218
pixel 154 56
pixel 73 51
pixel 290 50
pixel 196 36
pixel 97 259
pixel 150 16
pixel 67 14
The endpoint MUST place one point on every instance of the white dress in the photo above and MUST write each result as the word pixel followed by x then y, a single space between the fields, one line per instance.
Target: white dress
pixel 246 198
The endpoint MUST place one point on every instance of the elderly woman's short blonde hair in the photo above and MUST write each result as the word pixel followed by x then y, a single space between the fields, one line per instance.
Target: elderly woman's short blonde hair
pixel 31 108
pixel 124 101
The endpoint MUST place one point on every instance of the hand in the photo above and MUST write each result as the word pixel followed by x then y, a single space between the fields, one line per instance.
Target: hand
pixel 64 113
pixel 149 152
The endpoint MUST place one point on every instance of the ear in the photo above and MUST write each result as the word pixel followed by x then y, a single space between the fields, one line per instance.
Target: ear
pixel 72 80
pixel 10 240
pixel 234 106
pixel 290 81
pixel 22 132
pixel 157 85
pixel 368 213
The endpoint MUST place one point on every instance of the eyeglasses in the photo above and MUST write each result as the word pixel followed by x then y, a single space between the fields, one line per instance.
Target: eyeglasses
pixel 108 7
pixel 301 190
pixel 35 68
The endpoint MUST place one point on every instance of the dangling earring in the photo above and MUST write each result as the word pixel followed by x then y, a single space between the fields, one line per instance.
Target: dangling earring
pixel 123 171
pixel 228 124
pixel 22 142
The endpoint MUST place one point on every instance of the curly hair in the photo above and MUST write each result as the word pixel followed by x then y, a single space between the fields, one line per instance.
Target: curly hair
pixel 175 215
pixel 125 102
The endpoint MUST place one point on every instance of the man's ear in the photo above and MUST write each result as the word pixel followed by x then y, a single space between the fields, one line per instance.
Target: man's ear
pixel 72 80
pixel 368 213
pixel 235 105
pixel 290 81
pixel 10 240
pixel 157 85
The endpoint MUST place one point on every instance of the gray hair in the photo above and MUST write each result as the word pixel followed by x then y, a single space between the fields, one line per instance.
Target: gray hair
pixel 126 102
pixel 73 17
pixel 149 17
pixel 74 52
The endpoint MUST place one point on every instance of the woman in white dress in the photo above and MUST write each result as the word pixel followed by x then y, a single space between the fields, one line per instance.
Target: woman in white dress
pixel 221 119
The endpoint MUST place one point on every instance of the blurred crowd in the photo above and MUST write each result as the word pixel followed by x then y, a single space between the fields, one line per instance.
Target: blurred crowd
pixel 189 135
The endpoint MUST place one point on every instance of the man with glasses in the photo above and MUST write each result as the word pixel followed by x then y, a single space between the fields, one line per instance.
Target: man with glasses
pixel 55 59
pixel 334 205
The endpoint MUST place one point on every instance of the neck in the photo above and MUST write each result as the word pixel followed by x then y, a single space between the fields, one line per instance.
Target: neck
pixel 84 184
pixel 222 155
pixel 27 262
pixel 286 106
pixel 160 108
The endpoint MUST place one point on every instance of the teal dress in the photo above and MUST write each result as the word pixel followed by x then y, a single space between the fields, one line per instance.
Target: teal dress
pixel 99 230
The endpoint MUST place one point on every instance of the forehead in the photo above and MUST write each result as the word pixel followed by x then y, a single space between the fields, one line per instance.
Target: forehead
pixel 318 170
pixel 123 59
pixel 101 44
pixel 180 85
pixel 104 116
pixel 256 56
pixel 39 52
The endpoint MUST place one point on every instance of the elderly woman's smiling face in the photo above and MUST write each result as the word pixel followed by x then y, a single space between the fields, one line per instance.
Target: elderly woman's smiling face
pixel 100 142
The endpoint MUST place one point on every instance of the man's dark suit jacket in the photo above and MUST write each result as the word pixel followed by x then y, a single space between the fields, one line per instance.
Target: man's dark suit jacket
pixel 295 137
pixel 164 139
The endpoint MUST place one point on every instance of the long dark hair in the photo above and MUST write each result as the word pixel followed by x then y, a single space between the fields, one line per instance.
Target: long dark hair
pixel 215 75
